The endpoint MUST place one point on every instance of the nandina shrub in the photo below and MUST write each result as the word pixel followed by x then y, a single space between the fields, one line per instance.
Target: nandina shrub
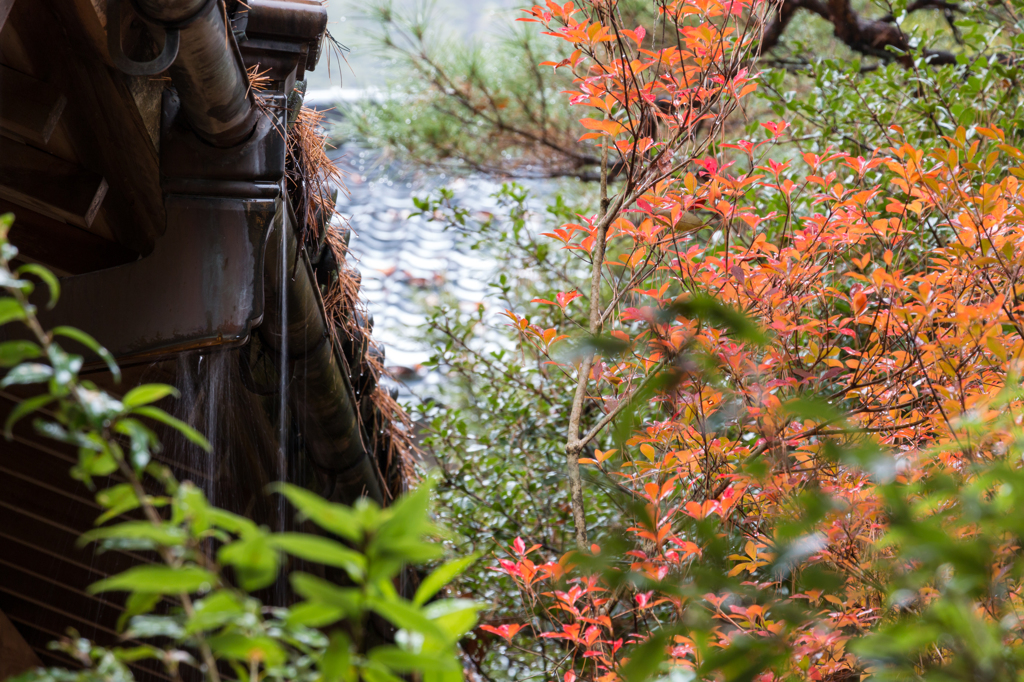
pixel 802 370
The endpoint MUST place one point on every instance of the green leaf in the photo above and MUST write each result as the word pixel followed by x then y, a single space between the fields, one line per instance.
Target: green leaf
pixel 48 277
pixel 10 310
pixel 455 616
pixel 712 311
pixel 65 365
pixel 90 463
pixel 27 373
pixel 145 651
pixel 322 551
pixel 336 518
pixel 6 221
pixel 231 522
pixel 13 352
pixel 444 574
pixel 255 562
pixel 401 535
pixel 100 406
pixel 24 408
pixel 376 672
pixel 157 579
pixel 336 663
pixel 314 614
pixel 646 659
pixel 241 648
pixel 404 615
pixel 93 345
pixel 148 393
pixel 142 441
pixel 402 661
pixel 146 627
pixel 164 535
pixel 348 599
pixel 216 609
pixel 137 604
pixel 9 281
pixel 116 500
pixel 156 414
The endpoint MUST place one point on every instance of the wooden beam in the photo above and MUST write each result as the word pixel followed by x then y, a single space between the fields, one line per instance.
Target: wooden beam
pixel 59 245
pixel 49 185
pixel 15 654
pixel 102 120
pixel 29 108
pixel 5 9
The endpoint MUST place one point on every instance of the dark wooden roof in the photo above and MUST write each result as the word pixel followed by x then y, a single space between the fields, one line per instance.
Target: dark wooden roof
pixel 100 168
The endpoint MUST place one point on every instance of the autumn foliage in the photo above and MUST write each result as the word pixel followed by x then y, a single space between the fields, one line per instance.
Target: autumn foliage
pixel 799 371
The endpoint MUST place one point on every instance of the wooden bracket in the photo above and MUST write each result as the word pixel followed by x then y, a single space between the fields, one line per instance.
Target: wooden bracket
pixel 48 184
pixel 29 108
pixel 5 9
pixel 16 656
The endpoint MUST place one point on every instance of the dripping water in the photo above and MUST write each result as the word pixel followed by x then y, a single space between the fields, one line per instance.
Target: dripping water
pixel 203 382
pixel 283 388
pixel 280 589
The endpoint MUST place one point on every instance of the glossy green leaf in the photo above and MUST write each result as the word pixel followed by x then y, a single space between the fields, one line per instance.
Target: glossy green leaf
pixel 215 610
pixel 314 614
pixel 116 500
pixel 157 579
pixel 348 599
pixel 373 671
pixel 27 373
pixel 164 535
pixel 336 662
pixel 65 367
pixel 323 551
pixel 13 352
pixel 256 563
pixel 145 652
pixel 10 310
pixel 149 626
pixel 455 616
pixel 181 427
pixel 231 522
pixel 137 604
pixel 336 518
pixel 142 441
pixel 93 345
pixel 441 576
pixel 402 661
pixel 405 615
pixel 242 648
pixel 51 281
pixel 645 659
pixel 23 409
pixel 148 393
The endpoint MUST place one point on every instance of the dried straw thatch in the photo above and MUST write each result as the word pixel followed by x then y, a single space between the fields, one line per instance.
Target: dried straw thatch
pixel 312 175
pixel 312 179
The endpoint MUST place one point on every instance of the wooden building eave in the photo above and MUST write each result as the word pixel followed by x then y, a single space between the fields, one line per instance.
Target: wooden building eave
pixel 171 249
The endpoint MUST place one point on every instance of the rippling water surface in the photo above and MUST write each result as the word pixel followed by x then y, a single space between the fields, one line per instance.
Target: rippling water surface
pixel 405 260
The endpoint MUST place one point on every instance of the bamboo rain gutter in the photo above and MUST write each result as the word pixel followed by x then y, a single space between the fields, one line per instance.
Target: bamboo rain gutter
pixel 208 72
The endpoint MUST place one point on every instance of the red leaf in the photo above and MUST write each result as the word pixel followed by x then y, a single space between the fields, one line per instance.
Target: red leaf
pixel 564 298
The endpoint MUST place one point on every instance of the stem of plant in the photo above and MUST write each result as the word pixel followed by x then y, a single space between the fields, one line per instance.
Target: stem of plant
pixel 574 444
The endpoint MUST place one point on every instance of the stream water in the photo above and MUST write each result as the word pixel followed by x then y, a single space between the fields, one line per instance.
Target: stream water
pixel 406 260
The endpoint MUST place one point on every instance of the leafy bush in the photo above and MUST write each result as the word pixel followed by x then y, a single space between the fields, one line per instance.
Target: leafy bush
pixel 194 602
pixel 784 377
